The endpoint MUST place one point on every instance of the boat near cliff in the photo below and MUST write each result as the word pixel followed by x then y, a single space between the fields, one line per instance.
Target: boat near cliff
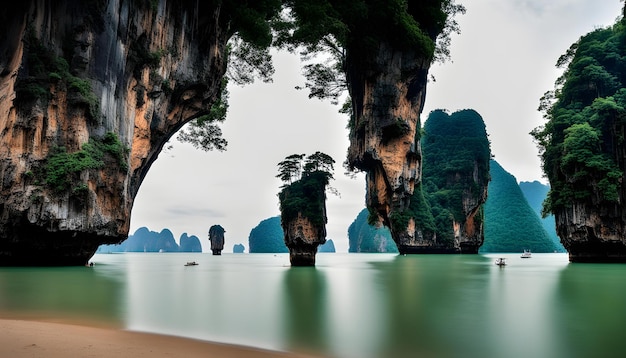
pixel 526 255
pixel 500 261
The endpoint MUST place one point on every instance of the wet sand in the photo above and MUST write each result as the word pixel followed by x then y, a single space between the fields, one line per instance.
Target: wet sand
pixel 26 338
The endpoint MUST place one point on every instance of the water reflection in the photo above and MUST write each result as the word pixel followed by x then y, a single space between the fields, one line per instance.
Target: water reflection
pixel 79 293
pixel 348 306
pixel 431 305
pixel 306 312
pixel 591 310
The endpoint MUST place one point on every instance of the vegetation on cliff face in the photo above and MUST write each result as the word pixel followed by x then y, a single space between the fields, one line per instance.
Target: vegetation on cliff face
pixel 456 154
pixel 582 142
pixel 44 71
pixel 62 169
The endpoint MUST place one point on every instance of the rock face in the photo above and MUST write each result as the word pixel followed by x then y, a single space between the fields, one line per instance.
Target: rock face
pixel 216 236
pixel 387 100
pixel 302 238
pixel 592 233
pixel 71 72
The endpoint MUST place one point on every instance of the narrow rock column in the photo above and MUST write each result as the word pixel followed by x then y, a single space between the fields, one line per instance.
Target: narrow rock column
pixel 216 236
pixel 385 136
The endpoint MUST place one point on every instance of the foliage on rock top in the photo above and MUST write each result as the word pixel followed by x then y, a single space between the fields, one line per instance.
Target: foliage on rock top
pixel 304 190
pixel 456 154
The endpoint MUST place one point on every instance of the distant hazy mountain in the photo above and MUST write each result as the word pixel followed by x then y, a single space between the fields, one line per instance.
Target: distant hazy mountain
pixel 268 236
pixel 536 192
pixel 190 243
pixel 144 240
pixel 238 249
pixel 363 237
pixel 511 225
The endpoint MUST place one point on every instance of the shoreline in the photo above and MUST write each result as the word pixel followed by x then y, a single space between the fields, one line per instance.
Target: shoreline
pixel 37 338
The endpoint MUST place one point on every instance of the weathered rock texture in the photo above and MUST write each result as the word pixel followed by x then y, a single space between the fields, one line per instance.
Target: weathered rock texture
pixel 216 236
pixel 144 68
pixel 387 100
pixel 302 238
pixel 592 233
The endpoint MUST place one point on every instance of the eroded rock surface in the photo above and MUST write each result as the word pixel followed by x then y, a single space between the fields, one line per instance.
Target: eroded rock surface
pixel 384 139
pixel 70 73
pixel 302 238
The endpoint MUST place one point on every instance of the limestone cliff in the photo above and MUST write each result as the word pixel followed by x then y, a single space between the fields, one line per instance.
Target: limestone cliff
pixel 74 75
pixel 303 216
pixel 583 150
pixel 387 100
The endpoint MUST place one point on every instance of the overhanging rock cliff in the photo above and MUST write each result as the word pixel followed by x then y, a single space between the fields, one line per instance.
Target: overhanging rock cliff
pixel 384 139
pixel 89 94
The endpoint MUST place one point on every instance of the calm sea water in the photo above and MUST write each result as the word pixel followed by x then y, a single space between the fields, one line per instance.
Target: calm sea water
pixel 349 305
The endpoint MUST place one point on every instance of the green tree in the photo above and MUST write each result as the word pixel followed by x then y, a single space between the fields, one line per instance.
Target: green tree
pixel 580 143
pixel 290 169
pixel 249 27
pixel 305 194
pixel 342 34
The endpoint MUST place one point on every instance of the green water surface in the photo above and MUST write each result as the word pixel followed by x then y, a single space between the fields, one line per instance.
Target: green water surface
pixel 349 305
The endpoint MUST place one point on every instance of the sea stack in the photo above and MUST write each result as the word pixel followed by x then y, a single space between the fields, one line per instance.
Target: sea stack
pixel 216 236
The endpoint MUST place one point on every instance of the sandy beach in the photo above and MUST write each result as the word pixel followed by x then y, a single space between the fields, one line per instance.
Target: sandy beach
pixel 23 338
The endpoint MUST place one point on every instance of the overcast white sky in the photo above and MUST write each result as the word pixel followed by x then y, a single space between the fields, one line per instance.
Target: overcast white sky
pixel 502 63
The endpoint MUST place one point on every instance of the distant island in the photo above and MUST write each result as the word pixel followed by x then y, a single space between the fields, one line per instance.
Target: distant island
pixel 239 249
pixel 145 240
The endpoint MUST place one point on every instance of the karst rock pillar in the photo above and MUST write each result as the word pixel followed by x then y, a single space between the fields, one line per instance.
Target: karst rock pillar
pixel 387 100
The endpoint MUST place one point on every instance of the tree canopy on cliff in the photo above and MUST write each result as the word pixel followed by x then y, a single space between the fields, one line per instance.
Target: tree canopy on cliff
pixel 582 141
pixel 305 184
pixel 354 28
pixel 330 28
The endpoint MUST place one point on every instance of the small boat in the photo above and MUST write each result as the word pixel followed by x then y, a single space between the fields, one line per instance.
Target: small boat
pixel 501 261
pixel 191 263
pixel 526 254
